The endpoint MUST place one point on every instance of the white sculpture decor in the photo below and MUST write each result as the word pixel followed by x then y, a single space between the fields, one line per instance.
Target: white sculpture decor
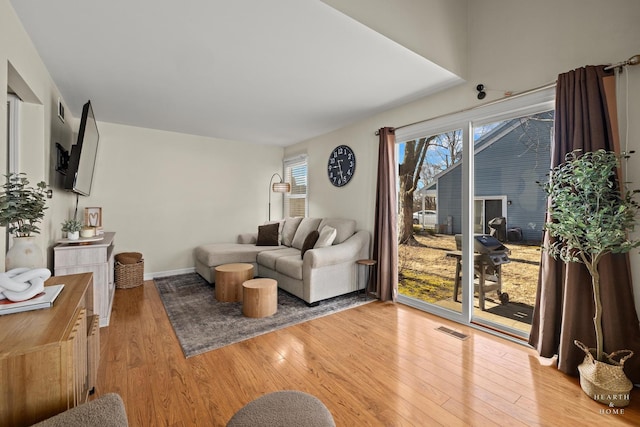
pixel 21 284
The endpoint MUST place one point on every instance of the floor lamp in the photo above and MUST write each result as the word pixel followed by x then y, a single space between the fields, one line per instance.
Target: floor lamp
pixel 277 187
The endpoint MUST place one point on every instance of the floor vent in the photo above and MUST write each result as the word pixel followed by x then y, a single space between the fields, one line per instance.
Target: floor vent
pixel 455 334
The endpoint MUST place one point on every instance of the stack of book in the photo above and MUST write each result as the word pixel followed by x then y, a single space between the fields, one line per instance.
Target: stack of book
pixel 44 299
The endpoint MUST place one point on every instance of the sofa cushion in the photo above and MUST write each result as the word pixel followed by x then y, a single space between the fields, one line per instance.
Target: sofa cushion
pixel 309 242
pixel 225 253
pixel 345 228
pixel 246 238
pixel 289 230
pixel 326 237
pixel 290 266
pixel 268 235
pixel 307 225
pixel 268 258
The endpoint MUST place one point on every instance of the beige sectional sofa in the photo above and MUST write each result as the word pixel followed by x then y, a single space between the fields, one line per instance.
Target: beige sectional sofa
pixel 323 272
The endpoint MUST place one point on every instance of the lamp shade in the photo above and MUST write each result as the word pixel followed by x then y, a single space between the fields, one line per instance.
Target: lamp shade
pixel 281 187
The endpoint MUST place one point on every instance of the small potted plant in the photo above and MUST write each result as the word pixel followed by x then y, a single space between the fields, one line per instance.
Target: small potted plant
pixel 72 227
pixel 591 216
pixel 21 209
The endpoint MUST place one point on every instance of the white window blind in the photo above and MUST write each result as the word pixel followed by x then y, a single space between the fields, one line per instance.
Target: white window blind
pixel 295 173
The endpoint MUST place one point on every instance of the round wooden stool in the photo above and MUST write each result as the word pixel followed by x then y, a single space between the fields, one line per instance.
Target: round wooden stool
pixel 260 297
pixel 229 279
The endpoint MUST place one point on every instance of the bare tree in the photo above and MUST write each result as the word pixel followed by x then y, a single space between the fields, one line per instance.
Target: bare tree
pixel 451 144
pixel 415 153
pixel 537 133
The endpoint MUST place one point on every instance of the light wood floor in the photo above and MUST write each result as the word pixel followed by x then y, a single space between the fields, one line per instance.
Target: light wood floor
pixel 379 364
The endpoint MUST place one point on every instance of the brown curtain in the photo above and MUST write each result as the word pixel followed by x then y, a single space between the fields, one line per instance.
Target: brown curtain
pixel 564 307
pixel 385 243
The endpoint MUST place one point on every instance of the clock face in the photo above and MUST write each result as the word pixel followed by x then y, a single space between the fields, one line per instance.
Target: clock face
pixel 341 165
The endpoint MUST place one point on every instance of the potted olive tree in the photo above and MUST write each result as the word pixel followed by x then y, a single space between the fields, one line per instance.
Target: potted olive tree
pixel 590 216
pixel 21 209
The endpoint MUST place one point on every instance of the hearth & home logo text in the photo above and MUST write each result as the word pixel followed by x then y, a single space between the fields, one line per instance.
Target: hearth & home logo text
pixel 611 410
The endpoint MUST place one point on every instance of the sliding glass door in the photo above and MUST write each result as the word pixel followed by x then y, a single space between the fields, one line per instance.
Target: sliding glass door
pixel 471 212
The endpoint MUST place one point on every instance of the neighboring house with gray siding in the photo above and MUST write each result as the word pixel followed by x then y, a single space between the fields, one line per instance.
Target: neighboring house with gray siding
pixel 509 161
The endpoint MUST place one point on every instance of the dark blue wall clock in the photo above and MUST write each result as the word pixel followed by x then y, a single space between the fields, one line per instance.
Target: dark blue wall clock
pixel 341 165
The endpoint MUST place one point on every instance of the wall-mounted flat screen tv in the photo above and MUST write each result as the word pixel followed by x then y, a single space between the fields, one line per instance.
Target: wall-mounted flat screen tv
pixel 82 160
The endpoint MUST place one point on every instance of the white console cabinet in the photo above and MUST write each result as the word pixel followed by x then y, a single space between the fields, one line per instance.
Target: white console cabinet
pixel 95 257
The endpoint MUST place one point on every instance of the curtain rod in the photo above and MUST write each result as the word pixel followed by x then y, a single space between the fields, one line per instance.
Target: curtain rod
pixel 514 95
pixel 634 60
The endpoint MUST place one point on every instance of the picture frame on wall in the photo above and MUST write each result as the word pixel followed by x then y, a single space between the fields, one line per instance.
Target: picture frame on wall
pixel 93 218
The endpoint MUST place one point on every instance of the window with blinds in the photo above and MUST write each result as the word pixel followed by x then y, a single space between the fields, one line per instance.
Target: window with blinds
pixel 295 173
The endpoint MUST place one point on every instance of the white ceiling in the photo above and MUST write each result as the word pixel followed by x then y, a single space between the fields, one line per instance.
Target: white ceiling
pixel 272 72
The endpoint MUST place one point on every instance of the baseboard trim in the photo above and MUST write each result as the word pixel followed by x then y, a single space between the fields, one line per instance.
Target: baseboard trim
pixel 151 276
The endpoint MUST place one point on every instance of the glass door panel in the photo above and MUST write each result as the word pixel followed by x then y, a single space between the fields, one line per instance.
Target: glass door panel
pixel 510 157
pixel 478 216
pixel 429 218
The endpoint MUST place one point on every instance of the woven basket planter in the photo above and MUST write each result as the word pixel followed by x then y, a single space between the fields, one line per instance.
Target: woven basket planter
pixel 129 271
pixel 605 382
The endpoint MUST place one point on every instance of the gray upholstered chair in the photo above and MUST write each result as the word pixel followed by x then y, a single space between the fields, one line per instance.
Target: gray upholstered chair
pixel 105 411
pixel 283 408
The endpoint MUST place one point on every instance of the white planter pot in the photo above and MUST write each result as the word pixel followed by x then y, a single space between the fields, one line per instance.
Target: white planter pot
pixel 24 253
pixel 73 235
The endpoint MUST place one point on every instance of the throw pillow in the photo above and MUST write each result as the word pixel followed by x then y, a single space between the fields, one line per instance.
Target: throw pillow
pixel 306 226
pixel 327 236
pixel 289 230
pixel 309 242
pixel 280 223
pixel 268 235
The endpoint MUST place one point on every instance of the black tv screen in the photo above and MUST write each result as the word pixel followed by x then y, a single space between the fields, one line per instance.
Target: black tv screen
pixel 82 160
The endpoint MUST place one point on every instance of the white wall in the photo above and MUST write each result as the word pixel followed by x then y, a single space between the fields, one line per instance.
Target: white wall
pixel 22 68
pixel 164 193
pixel 514 45
pixel 435 29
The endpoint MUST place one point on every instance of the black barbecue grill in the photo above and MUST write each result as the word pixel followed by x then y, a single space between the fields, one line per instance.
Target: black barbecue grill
pixel 493 252
pixel 489 256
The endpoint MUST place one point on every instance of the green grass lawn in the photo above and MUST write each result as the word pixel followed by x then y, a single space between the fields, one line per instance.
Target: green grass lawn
pixel 426 287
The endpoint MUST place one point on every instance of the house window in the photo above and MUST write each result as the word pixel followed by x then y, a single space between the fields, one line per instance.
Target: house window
pixel 295 173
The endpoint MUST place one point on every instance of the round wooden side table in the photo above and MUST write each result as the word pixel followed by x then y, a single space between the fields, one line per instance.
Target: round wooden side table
pixel 229 279
pixel 260 297
pixel 369 264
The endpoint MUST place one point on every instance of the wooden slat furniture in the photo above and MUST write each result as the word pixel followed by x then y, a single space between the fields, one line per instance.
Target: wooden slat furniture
pixel 96 257
pixel 49 357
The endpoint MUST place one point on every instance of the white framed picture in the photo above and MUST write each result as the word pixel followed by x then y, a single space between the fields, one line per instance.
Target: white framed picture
pixel 93 218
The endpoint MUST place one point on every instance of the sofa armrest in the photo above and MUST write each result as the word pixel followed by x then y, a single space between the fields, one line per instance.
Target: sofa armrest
pixel 351 250
pixel 247 238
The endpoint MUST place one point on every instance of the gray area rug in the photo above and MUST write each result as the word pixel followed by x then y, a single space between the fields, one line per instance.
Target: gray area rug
pixel 203 324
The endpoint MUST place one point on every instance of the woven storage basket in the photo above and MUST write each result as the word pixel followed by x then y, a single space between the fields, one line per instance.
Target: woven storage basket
pixel 605 382
pixel 129 275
